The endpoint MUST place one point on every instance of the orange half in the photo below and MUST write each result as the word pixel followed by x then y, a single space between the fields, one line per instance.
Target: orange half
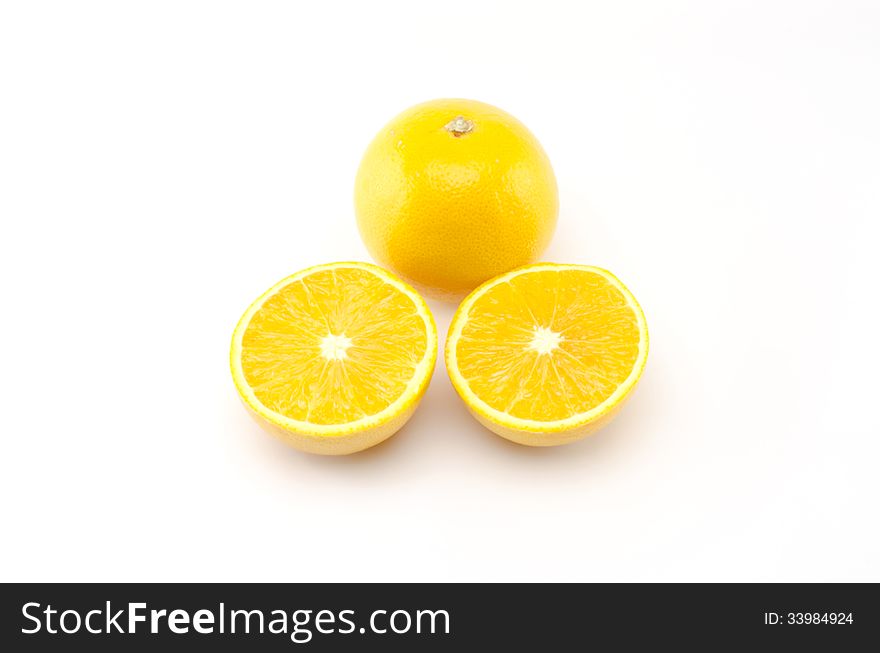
pixel 547 353
pixel 334 359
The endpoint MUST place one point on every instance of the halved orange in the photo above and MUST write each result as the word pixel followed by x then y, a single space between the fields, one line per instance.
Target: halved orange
pixel 547 353
pixel 335 359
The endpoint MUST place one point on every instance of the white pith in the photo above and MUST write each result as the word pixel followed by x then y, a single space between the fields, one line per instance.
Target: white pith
pixel 545 340
pixel 334 347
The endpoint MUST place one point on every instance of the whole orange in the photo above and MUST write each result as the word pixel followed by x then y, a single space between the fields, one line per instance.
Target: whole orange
pixel 454 192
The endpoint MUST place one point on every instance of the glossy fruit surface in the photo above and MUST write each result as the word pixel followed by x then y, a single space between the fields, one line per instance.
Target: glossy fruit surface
pixel 451 193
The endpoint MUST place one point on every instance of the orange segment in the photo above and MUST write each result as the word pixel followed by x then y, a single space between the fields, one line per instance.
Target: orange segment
pixel 547 349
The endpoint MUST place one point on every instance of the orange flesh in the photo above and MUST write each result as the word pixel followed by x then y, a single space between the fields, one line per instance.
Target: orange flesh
pixel 549 344
pixel 377 340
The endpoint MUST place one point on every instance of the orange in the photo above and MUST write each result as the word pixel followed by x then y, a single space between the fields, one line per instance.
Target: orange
pixel 548 353
pixel 334 359
pixel 454 192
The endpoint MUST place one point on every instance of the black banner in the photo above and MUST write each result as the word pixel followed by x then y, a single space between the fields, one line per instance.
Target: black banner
pixel 429 617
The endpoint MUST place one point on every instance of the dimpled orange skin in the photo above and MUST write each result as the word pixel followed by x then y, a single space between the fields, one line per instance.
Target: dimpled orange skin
pixel 448 208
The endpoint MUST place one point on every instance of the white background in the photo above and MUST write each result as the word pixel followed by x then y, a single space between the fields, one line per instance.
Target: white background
pixel 163 163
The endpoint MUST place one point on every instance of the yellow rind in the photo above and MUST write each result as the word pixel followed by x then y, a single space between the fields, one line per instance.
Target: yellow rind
pixel 448 212
pixel 338 439
pixel 533 432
